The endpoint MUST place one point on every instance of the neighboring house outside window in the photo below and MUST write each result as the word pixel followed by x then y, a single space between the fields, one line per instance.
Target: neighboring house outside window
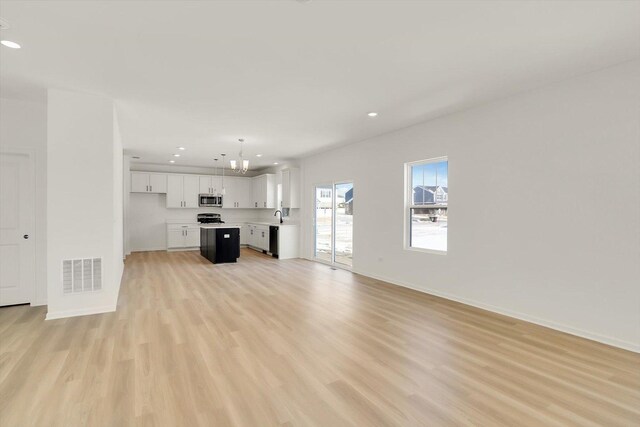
pixel 427 205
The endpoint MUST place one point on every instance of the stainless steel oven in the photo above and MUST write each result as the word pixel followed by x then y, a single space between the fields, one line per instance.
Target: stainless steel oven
pixel 210 200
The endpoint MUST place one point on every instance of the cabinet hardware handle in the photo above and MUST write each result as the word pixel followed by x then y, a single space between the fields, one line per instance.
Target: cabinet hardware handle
pixel 26 236
pixel 151 187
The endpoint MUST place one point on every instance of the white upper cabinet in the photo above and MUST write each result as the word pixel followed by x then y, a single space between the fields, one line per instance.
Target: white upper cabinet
pixel 264 191
pixel 191 191
pixel 175 185
pixel 183 191
pixel 148 182
pixel 210 185
pixel 290 188
pixel 205 185
pixel 237 193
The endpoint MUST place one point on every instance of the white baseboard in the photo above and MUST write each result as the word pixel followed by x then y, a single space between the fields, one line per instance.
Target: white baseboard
pixel 80 312
pixel 38 303
pixel 626 345
pixel 164 248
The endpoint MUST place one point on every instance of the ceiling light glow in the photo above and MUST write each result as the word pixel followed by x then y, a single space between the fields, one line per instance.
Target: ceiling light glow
pixel 181 148
pixel 172 161
pixel 176 155
pixel 12 45
pixel 372 114
pixel 258 155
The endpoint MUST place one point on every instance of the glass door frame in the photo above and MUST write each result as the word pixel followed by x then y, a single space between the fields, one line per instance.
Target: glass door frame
pixel 332 185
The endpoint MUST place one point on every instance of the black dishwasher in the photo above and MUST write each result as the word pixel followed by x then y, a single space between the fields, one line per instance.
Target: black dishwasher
pixel 273 240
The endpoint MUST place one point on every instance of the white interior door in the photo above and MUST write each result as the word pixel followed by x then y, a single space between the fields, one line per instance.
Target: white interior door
pixel 17 227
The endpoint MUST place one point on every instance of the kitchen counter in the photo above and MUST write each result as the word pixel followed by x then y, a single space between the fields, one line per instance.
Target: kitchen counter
pixel 284 224
pixel 209 226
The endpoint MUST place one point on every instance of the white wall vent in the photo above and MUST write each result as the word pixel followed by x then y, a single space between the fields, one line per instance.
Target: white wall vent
pixel 81 275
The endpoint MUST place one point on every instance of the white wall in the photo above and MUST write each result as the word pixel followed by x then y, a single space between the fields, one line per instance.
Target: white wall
pixel 544 208
pixel 84 203
pixel 126 186
pixel 118 200
pixel 23 125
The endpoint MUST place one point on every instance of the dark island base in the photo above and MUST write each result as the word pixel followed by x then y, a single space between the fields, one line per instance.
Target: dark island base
pixel 220 245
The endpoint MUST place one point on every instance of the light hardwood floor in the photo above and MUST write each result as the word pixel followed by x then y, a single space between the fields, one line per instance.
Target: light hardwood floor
pixel 266 342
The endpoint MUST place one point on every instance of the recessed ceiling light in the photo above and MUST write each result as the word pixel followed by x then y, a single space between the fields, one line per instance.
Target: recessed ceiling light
pixel 258 155
pixel 12 45
pixel 181 148
pixel 176 155
pixel 275 163
pixel 172 161
pixel 372 114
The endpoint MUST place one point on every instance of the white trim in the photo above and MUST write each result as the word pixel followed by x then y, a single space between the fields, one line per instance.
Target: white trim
pixel 626 345
pixel 153 249
pixel 38 303
pixel 80 312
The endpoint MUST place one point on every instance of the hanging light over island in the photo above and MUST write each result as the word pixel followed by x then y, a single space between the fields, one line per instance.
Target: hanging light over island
pixel 243 161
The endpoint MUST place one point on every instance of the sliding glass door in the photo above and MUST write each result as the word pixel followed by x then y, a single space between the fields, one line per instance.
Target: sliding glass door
pixel 334 223
pixel 324 223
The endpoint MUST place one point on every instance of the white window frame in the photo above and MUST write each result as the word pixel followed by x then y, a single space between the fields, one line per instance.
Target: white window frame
pixel 408 205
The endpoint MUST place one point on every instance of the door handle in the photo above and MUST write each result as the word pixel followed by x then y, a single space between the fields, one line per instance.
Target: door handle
pixel 26 236
pixel 151 188
pixel 147 188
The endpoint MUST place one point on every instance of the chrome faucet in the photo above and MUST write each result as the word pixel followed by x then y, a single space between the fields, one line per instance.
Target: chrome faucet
pixel 276 213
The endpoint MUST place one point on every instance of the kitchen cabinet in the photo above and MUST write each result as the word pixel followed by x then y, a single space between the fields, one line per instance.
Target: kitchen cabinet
pixel 210 185
pixel 182 191
pixel 258 237
pixel 264 191
pixel 148 182
pixel 237 193
pixel 180 236
pixel 286 239
pixel 290 188
pixel 244 235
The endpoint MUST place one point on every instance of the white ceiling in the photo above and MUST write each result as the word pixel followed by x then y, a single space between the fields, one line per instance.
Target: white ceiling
pixel 294 78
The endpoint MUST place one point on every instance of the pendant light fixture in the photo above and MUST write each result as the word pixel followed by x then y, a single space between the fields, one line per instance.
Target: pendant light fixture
pixel 223 191
pixel 215 188
pixel 245 163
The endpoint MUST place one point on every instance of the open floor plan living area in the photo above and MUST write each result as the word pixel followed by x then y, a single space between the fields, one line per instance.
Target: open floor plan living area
pixel 236 213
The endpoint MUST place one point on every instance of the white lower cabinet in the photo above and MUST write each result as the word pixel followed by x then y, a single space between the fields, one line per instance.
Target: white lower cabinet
pixel 258 237
pixel 180 236
pixel 244 234
pixel 175 239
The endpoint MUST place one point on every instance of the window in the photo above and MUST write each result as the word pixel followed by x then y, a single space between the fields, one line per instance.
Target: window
pixel 427 200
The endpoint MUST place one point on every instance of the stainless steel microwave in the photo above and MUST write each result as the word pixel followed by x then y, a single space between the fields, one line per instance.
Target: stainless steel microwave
pixel 210 200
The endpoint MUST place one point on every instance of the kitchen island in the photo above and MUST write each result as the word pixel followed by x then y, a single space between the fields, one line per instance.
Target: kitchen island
pixel 220 243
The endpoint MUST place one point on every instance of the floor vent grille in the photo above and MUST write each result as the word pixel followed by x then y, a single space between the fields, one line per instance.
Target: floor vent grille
pixel 81 275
